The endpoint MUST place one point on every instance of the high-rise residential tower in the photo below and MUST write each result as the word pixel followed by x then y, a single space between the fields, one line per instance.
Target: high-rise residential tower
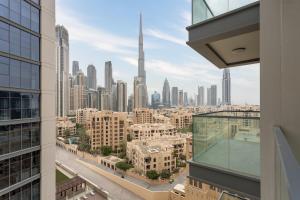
pixel 91 77
pixel 226 87
pixel 208 97
pixel 174 96
pixel 108 76
pixel 213 93
pixel 75 67
pixel 27 99
pixel 200 96
pixel 121 96
pixel 62 71
pixel 166 94
pixel 141 86
pixel 185 99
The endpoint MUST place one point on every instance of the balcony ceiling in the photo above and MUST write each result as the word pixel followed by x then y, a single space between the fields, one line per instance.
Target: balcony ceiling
pixel 230 39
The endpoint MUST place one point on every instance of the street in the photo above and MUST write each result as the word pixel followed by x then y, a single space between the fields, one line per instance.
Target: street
pixel 115 191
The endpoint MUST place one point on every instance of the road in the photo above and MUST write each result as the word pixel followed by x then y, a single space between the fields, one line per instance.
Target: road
pixel 115 191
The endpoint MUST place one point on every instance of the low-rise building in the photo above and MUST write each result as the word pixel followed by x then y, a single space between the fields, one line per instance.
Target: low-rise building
pixel 157 118
pixel 107 128
pixel 84 115
pixel 142 115
pixel 111 161
pixel 151 131
pixel 181 119
pixel 64 126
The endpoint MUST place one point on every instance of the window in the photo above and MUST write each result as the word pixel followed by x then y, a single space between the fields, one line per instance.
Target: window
pixel 35 19
pixel 35 105
pixel 25 44
pixel 15 40
pixel 26 192
pixel 36 1
pixel 15 138
pixel 4 37
pixel 26 75
pixel 26 166
pixel 26 136
pixel 35 134
pixel 36 190
pixel 4 71
pixel 35 163
pixel 26 105
pixel 4 174
pixel 35 77
pixel 35 48
pixel 4 8
pixel 16 194
pixel 25 14
pixel 4 106
pixel 15 10
pixel 15 170
pixel 4 142
pixel 15 105
pixel 15 73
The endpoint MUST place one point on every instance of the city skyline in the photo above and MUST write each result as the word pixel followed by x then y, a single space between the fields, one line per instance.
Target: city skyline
pixel 163 43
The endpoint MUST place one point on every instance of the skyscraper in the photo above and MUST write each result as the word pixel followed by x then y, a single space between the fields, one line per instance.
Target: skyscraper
pixel 200 97
pixel 155 100
pixel 141 86
pixel 130 103
pixel 62 71
pixel 180 98
pixel 75 67
pixel 114 97
pixel 139 93
pixel 91 77
pixel 108 76
pixel 166 94
pixel 27 89
pixel 208 97
pixel 174 96
pixel 185 99
pixel 214 98
pixel 226 87
pixel 121 96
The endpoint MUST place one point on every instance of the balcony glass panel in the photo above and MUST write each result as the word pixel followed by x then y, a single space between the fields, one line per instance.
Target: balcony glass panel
pixel 206 9
pixel 228 140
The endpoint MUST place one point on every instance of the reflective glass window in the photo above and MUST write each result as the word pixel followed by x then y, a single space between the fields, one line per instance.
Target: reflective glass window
pixel 25 14
pixel 15 41
pixel 15 170
pixel 25 44
pixel 4 37
pixel 15 10
pixel 4 72
pixel 26 75
pixel 26 166
pixel 15 138
pixel 15 73
pixel 4 9
pixel 4 140
pixel 4 174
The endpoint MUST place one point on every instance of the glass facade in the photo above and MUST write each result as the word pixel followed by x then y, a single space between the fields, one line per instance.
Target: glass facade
pixel 20 99
pixel 229 141
pixel 206 9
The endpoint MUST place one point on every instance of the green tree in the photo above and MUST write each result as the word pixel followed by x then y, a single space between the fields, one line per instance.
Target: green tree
pixel 67 133
pixel 129 138
pixel 152 174
pixel 123 166
pixel 84 140
pixel 106 150
pixel 165 174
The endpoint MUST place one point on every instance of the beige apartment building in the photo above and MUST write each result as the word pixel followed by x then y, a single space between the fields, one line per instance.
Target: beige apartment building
pixel 151 131
pixel 84 115
pixel 142 115
pixel 181 119
pixel 157 154
pixel 107 128
pixel 158 118
pixel 78 97
pixel 63 124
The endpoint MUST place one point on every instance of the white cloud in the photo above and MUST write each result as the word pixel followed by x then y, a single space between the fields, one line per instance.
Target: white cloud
pixel 187 18
pixel 94 36
pixel 165 36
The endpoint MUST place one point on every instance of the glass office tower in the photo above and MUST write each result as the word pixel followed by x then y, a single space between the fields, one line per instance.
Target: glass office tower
pixel 20 98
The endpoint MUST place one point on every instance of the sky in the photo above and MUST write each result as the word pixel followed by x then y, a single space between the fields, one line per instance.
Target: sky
pixel 103 30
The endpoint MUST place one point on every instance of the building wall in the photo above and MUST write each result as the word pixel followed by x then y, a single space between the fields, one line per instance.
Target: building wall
pixel 142 115
pixel 47 99
pixel 280 84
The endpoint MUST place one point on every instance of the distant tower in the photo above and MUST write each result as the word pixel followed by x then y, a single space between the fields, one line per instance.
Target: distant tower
pixel 155 100
pixel 180 98
pixel 121 96
pixel 185 99
pixel 91 77
pixel 75 68
pixel 226 87
pixel 166 94
pixel 140 80
pixel 213 90
pixel 174 96
pixel 108 76
pixel 62 71
pixel 200 96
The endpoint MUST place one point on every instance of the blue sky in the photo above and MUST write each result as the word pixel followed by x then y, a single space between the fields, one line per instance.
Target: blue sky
pixel 102 30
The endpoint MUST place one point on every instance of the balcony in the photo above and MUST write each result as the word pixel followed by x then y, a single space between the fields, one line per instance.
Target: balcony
pixel 226 32
pixel 226 151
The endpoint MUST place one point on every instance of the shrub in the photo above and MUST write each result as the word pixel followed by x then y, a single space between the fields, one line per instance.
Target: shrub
pixel 165 174
pixel 106 150
pixel 123 166
pixel 152 174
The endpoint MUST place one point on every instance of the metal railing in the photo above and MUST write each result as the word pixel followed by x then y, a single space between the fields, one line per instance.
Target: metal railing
pixel 287 167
